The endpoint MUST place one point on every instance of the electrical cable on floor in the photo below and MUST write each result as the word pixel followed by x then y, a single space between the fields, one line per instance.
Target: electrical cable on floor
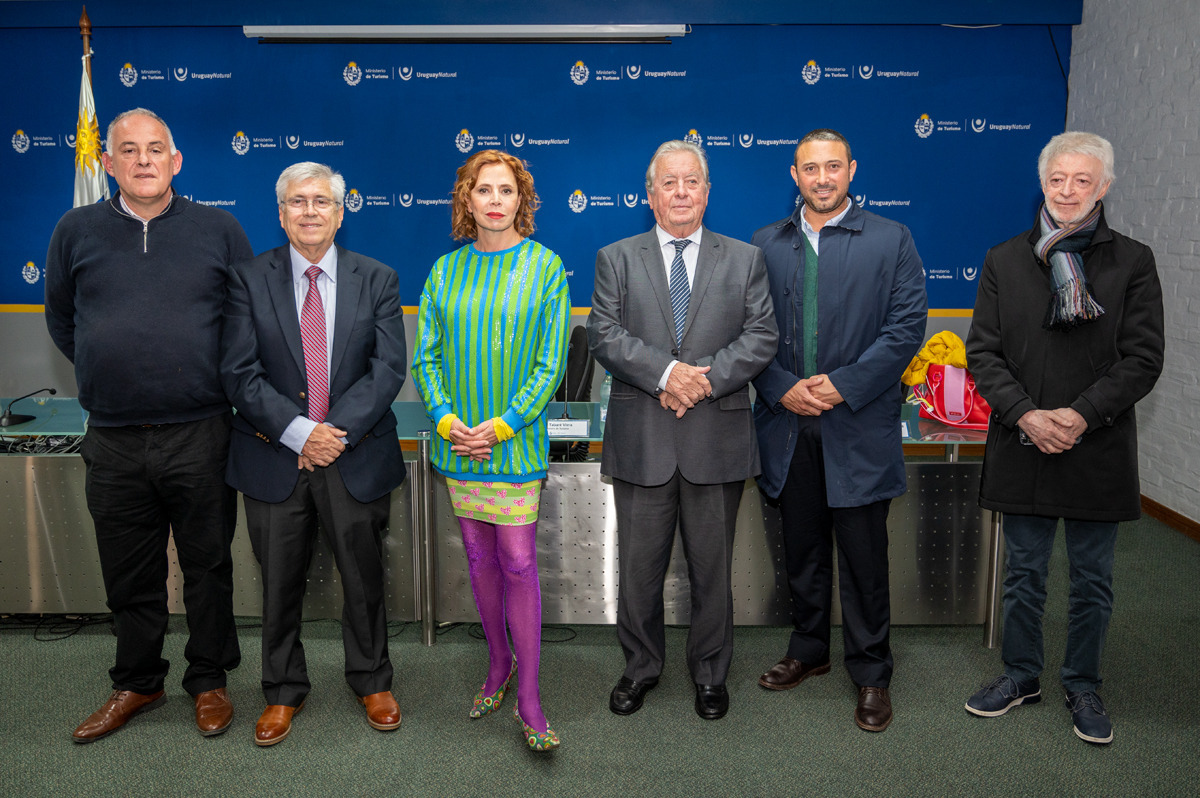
pixel 446 627
pixel 51 628
pixel 560 634
pixel 395 628
pixel 399 627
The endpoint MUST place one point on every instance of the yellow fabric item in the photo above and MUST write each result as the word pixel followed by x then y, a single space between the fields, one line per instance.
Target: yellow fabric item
pixel 443 427
pixel 945 348
pixel 503 431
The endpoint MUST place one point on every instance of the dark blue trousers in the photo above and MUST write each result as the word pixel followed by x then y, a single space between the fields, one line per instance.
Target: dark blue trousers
pixel 1091 546
pixel 810 526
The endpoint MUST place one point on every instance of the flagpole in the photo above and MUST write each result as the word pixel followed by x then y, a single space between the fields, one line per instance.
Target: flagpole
pixel 85 32
pixel 91 184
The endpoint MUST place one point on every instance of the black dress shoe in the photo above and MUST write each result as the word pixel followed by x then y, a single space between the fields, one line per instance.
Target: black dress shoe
pixel 788 672
pixel 874 710
pixel 712 701
pixel 628 695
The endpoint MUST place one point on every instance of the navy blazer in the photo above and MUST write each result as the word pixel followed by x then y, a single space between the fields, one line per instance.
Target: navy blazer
pixel 262 370
pixel 871 312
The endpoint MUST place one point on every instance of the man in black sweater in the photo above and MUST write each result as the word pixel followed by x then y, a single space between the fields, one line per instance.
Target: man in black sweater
pixel 134 293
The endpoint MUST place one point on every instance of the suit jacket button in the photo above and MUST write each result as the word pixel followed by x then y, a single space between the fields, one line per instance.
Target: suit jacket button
pixel 675 352
pixel 302 394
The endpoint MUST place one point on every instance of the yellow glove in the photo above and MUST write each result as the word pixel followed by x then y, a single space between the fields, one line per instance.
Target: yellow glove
pixel 443 427
pixel 503 431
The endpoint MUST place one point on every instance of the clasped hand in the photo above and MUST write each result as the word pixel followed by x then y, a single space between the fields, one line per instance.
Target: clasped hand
pixel 322 447
pixel 812 396
pixel 474 442
pixel 1053 431
pixel 686 386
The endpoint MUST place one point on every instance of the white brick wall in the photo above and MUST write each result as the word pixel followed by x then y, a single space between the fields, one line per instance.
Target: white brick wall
pixel 1134 81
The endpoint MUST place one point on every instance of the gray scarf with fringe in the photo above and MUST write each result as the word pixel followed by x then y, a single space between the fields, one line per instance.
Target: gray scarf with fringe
pixel 1072 302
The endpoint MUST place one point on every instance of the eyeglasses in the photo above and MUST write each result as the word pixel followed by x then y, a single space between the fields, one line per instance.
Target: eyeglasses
pixel 300 204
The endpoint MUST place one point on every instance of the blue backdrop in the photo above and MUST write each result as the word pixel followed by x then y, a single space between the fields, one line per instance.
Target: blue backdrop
pixel 945 123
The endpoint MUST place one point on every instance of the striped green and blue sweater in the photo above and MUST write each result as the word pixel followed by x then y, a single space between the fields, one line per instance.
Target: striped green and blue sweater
pixel 491 341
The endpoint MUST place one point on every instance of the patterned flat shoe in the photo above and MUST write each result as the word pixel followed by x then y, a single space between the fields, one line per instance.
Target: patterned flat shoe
pixel 538 741
pixel 486 704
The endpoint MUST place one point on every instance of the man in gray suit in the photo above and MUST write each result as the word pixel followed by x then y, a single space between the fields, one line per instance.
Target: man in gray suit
pixel 682 319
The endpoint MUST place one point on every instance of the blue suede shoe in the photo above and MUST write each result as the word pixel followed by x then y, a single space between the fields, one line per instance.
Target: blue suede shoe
pixel 486 704
pixel 1091 720
pixel 1004 693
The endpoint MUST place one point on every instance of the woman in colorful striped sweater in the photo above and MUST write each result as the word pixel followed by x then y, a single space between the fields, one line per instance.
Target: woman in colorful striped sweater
pixel 490 352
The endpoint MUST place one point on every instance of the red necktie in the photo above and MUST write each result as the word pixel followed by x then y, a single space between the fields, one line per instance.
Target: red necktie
pixel 312 334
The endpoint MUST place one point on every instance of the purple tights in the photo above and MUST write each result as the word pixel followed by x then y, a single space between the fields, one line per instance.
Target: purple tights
pixel 503 566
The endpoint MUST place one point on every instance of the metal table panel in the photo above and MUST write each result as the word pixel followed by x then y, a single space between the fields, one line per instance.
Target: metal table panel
pixel 50 563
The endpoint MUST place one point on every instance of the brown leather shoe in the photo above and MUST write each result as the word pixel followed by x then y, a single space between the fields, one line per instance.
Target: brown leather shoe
pixel 274 724
pixel 383 712
pixel 214 712
pixel 788 672
pixel 874 710
pixel 116 712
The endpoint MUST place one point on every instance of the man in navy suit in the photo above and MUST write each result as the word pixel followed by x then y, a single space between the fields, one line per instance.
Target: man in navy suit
pixel 312 357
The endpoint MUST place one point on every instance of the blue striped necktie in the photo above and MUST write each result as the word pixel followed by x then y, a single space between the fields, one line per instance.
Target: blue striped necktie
pixel 680 292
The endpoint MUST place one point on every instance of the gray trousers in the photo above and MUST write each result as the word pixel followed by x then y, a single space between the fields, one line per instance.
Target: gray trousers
pixel 646 520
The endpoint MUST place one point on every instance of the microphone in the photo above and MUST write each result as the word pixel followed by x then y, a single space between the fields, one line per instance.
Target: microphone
pixel 9 419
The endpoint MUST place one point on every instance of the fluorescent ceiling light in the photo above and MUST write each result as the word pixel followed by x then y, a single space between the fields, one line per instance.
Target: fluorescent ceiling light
pixel 465 33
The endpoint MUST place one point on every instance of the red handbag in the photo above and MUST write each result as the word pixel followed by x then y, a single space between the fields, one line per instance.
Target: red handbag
pixel 949 395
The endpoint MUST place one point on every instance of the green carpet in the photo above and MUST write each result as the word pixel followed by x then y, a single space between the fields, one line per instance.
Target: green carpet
pixel 802 742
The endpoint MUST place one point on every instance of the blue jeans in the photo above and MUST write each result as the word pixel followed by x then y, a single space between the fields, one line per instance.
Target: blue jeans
pixel 1028 540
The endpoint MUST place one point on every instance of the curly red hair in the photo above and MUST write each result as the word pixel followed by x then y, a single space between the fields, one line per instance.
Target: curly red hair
pixel 462 223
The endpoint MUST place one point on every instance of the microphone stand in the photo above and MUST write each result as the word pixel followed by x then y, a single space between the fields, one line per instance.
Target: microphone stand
pixel 10 419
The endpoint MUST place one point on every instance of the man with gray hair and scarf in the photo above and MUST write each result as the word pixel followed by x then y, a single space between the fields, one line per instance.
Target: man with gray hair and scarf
pixel 1067 336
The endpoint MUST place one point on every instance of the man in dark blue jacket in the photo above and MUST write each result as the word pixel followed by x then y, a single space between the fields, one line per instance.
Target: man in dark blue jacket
pixel 828 414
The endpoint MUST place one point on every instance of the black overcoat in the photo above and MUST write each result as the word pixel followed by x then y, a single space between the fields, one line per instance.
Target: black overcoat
pixel 1100 369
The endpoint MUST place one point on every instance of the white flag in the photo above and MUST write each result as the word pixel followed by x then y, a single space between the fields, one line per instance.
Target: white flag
pixel 91 182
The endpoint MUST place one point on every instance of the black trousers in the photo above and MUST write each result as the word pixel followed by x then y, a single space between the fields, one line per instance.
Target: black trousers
pixel 646 520
pixel 143 483
pixel 283 535
pixel 809 528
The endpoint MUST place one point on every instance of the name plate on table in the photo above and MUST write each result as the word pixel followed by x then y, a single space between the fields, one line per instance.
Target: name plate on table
pixel 568 427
